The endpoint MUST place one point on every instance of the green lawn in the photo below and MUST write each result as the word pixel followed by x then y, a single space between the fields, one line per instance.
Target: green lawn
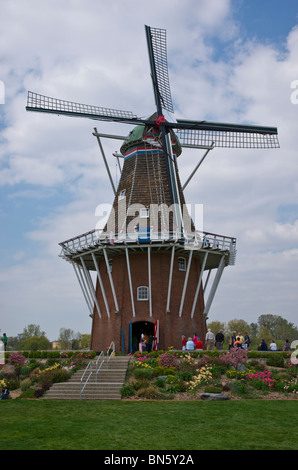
pixel 120 425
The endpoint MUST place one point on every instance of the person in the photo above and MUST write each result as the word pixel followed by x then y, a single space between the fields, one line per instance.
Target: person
pixel 286 346
pixel 142 344
pixel 4 394
pixel 238 343
pixel 219 339
pixel 195 338
pixel 4 341
pixel 150 343
pixel 210 339
pixel 247 340
pixel 241 337
pixel 273 346
pixel 190 345
pixel 263 346
pixel 183 343
pixel 199 344
pixel 232 340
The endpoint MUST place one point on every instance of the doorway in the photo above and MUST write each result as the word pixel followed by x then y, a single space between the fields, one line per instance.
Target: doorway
pixel 136 330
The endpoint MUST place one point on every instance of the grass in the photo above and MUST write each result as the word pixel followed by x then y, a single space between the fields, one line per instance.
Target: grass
pixel 148 425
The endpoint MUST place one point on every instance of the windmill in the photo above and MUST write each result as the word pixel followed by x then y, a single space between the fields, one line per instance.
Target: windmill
pixel 149 279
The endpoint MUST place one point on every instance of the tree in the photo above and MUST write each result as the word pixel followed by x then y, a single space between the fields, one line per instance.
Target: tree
pixel 33 339
pixel 216 326
pixel 237 326
pixel 278 328
pixel 32 330
pixel 68 339
pixel 35 343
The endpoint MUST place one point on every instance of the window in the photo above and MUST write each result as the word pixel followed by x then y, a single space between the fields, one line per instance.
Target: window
pixel 144 213
pixel 142 293
pixel 182 264
pixel 122 194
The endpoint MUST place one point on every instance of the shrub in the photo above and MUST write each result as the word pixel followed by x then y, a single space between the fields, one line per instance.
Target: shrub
pixel 185 376
pixel 160 383
pixel 163 371
pixel 60 375
pixel 138 384
pixel 143 373
pixel 275 360
pixel 167 360
pixel 171 379
pixel 148 392
pixel 12 384
pixel 25 384
pixel 127 391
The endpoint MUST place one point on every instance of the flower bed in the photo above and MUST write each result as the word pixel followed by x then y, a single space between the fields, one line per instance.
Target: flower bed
pixel 31 377
pixel 175 375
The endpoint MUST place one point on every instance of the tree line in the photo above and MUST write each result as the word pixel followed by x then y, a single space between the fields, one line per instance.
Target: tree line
pixel 34 339
pixel 269 327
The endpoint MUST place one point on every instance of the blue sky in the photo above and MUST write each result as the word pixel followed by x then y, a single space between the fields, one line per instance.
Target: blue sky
pixel 231 61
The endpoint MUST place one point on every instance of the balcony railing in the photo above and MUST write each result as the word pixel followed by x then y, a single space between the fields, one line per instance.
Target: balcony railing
pixel 196 239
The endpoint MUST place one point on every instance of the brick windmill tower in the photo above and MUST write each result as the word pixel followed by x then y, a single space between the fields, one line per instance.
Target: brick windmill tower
pixel 150 269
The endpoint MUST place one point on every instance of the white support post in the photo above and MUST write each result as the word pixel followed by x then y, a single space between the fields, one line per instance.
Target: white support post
pixel 130 283
pixel 170 279
pixel 90 285
pixel 149 279
pixel 185 283
pixel 101 284
pixel 215 285
pixel 111 280
pixel 207 280
pixel 83 287
pixel 198 165
pixel 105 160
pixel 199 284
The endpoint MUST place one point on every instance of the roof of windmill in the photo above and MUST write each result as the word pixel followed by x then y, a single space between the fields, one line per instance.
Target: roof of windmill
pixel 141 134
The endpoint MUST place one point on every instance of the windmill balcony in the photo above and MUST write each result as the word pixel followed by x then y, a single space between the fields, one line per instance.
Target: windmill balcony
pixel 198 241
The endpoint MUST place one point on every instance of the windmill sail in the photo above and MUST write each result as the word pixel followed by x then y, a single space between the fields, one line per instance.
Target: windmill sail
pixel 157 49
pixel 205 134
pixel 41 103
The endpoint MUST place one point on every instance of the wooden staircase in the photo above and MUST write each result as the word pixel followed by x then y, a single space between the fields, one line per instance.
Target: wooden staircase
pixel 109 381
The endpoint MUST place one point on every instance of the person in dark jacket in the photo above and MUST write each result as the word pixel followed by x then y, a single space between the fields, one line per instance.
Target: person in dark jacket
pixel 219 340
pixel 263 346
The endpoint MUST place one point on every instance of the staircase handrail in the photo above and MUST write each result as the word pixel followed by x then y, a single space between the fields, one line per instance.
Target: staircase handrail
pixel 98 367
pixel 89 366
pixel 111 347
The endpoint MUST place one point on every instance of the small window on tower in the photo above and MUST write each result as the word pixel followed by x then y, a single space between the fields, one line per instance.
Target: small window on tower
pixel 142 293
pixel 122 194
pixel 144 213
pixel 182 264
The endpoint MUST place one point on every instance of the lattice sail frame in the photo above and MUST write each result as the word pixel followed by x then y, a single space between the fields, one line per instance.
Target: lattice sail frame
pixel 197 138
pixel 47 104
pixel 160 63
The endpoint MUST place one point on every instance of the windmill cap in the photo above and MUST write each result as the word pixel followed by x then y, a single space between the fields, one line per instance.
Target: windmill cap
pixel 142 134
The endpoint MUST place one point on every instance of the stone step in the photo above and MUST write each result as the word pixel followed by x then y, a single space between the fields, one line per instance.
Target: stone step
pixel 106 386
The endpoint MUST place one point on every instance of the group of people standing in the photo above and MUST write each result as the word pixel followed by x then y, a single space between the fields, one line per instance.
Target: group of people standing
pixel 191 344
pixel 235 341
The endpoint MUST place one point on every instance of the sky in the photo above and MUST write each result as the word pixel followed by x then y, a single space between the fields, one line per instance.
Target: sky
pixel 230 61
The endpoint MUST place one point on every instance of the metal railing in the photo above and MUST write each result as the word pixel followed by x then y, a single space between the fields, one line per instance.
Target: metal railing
pixel 83 385
pixel 96 238
pixel 98 365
